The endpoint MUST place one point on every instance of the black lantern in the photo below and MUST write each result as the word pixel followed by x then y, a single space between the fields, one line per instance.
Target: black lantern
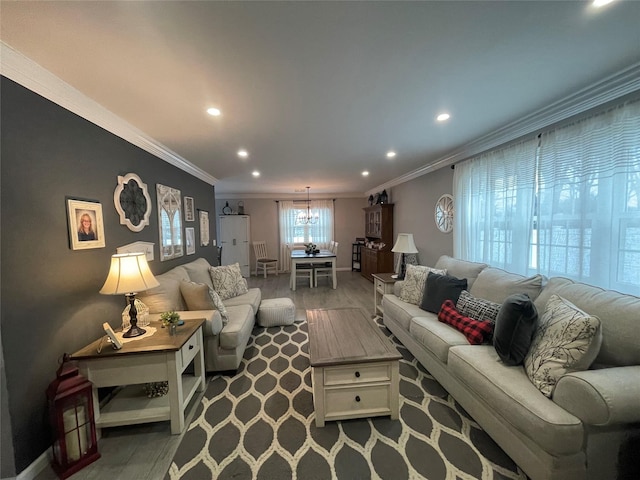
pixel 71 409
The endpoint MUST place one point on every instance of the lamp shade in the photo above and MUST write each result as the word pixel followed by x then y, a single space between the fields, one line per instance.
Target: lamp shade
pixel 129 273
pixel 404 244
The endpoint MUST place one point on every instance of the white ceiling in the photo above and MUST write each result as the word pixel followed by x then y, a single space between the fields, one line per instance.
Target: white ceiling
pixel 317 92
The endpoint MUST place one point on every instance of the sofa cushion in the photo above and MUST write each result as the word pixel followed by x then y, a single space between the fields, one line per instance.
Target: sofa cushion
pixel 253 297
pixel 228 281
pixel 510 394
pixel 496 285
pixel 474 330
pixel 199 296
pixel 198 271
pixel 415 281
pixel 515 326
pixel 566 340
pixel 402 312
pixel 619 316
pixel 441 288
pixel 461 268
pixel 166 296
pixel 239 326
pixel 435 336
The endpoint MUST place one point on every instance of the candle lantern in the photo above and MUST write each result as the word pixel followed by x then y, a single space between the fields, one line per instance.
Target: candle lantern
pixel 70 398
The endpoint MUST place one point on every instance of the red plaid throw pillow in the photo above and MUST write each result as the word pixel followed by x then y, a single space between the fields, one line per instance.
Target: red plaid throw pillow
pixel 474 330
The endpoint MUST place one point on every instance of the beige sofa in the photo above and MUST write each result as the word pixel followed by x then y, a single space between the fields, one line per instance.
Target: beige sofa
pixel 593 416
pixel 224 345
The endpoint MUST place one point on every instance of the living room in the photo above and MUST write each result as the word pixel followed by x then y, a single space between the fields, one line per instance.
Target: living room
pixel 50 299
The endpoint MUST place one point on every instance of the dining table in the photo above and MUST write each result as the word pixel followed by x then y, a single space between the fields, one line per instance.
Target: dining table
pixel 322 256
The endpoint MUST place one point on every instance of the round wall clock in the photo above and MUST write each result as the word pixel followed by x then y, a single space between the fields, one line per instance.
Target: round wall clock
pixel 132 202
pixel 444 213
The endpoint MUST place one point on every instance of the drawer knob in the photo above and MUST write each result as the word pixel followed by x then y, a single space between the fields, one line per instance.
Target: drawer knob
pixel 357 398
pixel 190 347
pixel 357 374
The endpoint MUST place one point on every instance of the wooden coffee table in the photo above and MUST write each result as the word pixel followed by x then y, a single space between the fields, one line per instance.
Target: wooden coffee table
pixel 354 366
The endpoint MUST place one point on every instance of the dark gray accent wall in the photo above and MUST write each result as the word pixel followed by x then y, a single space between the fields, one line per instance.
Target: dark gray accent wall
pixel 50 299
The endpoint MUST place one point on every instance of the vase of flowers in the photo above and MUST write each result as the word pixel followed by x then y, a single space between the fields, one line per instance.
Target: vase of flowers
pixel 310 248
pixel 170 320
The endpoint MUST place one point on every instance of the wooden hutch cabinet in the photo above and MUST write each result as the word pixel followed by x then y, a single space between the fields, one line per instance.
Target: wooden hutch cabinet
pixel 379 229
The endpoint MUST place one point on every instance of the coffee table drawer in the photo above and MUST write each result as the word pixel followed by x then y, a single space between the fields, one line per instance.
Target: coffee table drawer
pixel 349 401
pixel 358 373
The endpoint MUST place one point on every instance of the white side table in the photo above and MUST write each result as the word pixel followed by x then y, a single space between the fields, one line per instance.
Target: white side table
pixel 382 283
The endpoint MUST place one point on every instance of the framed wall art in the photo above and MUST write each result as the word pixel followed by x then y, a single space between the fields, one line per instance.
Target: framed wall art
pixel 169 222
pixel 189 210
pixel 132 202
pixel 86 225
pixel 190 238
pixel 204 227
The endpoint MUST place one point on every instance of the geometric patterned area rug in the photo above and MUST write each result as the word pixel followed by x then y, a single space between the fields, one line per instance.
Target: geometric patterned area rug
pixel 260 424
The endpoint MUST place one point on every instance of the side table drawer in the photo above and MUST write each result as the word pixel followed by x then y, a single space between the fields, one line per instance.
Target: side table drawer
pixel 190 349
pixel 365 399
pixel 360 373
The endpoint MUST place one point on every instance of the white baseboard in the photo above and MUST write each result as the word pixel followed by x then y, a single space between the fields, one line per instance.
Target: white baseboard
pixel 38 465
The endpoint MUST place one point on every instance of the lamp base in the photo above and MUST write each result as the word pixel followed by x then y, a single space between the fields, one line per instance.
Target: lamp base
pixel 134 331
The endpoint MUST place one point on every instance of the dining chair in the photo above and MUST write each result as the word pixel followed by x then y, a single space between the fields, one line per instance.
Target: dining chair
pixel 263 261
pixel 325 269
pixel 303 270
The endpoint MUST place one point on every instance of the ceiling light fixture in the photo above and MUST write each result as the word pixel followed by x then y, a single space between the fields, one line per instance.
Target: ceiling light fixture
pixel 308 218
pixel 214 112
pixel 242 153
pixel 391 154
pixel 255 173
pixel 443 117
pixel 365 173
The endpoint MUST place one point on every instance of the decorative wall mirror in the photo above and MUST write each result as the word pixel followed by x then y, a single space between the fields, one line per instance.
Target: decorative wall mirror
pixel 444 213
pixel 132 202
pixel 169 222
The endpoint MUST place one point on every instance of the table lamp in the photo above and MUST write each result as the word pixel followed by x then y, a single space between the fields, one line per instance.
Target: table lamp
pixel 129 274
pixel 404 244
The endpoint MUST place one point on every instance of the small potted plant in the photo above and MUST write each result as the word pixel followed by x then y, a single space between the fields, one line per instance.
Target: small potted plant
pixel 170 320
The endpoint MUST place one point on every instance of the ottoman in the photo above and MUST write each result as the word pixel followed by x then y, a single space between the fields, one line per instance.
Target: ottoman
pixel 276 311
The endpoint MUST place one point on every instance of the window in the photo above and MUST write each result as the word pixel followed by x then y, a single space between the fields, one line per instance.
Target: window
pixel 295 232
pixel 565 205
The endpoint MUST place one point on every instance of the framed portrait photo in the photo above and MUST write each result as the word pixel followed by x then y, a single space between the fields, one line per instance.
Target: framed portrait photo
pixel 86 225
pixel 189 210
pixel 190 237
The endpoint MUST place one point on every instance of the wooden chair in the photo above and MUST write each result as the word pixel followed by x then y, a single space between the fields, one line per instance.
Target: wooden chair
pixel 263 261
pixel 303 270
pixel 325 269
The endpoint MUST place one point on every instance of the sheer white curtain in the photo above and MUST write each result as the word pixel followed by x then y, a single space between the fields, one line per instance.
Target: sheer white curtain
pixel 494 197
pixel 293 232
pixel 567 204
pixel 589 213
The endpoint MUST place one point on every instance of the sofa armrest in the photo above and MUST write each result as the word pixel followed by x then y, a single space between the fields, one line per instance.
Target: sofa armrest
pixel 601 397
pixel 397 288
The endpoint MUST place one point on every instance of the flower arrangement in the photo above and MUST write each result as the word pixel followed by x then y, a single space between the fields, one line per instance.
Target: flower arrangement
pixel 169 318
pixel 311 248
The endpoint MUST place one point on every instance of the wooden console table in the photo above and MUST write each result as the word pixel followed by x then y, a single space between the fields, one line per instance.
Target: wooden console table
pixel 159 357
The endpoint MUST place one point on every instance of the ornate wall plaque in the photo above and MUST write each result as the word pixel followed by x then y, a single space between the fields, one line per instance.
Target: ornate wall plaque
pixel 132 202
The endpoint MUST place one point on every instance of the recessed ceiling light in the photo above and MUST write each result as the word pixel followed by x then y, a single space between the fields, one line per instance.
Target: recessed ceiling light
pixel 365 173
pixel 255 173
pixel 443 117
pixel 391 154
pixel 243 153
pixel 215 112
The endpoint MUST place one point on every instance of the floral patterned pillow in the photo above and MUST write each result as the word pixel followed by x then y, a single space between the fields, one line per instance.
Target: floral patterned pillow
pixel 567 340
pixel 414 282
pixel 228 281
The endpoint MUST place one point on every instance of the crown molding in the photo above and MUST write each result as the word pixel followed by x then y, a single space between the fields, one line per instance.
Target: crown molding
pixel 286 196
pixel 600 93
pixel 21 69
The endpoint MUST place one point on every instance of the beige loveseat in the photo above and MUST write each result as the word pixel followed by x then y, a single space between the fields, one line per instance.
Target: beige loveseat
pixel 593 416
pixel 224 344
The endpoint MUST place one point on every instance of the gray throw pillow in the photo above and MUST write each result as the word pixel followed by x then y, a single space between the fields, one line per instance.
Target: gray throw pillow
pixel 439 288
pixel 515 326
pixel 414 283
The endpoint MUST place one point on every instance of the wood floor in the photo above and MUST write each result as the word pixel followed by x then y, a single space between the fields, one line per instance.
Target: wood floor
pixel 144 452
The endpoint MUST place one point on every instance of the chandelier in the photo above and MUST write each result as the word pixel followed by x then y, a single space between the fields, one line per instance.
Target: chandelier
pixel 308 218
